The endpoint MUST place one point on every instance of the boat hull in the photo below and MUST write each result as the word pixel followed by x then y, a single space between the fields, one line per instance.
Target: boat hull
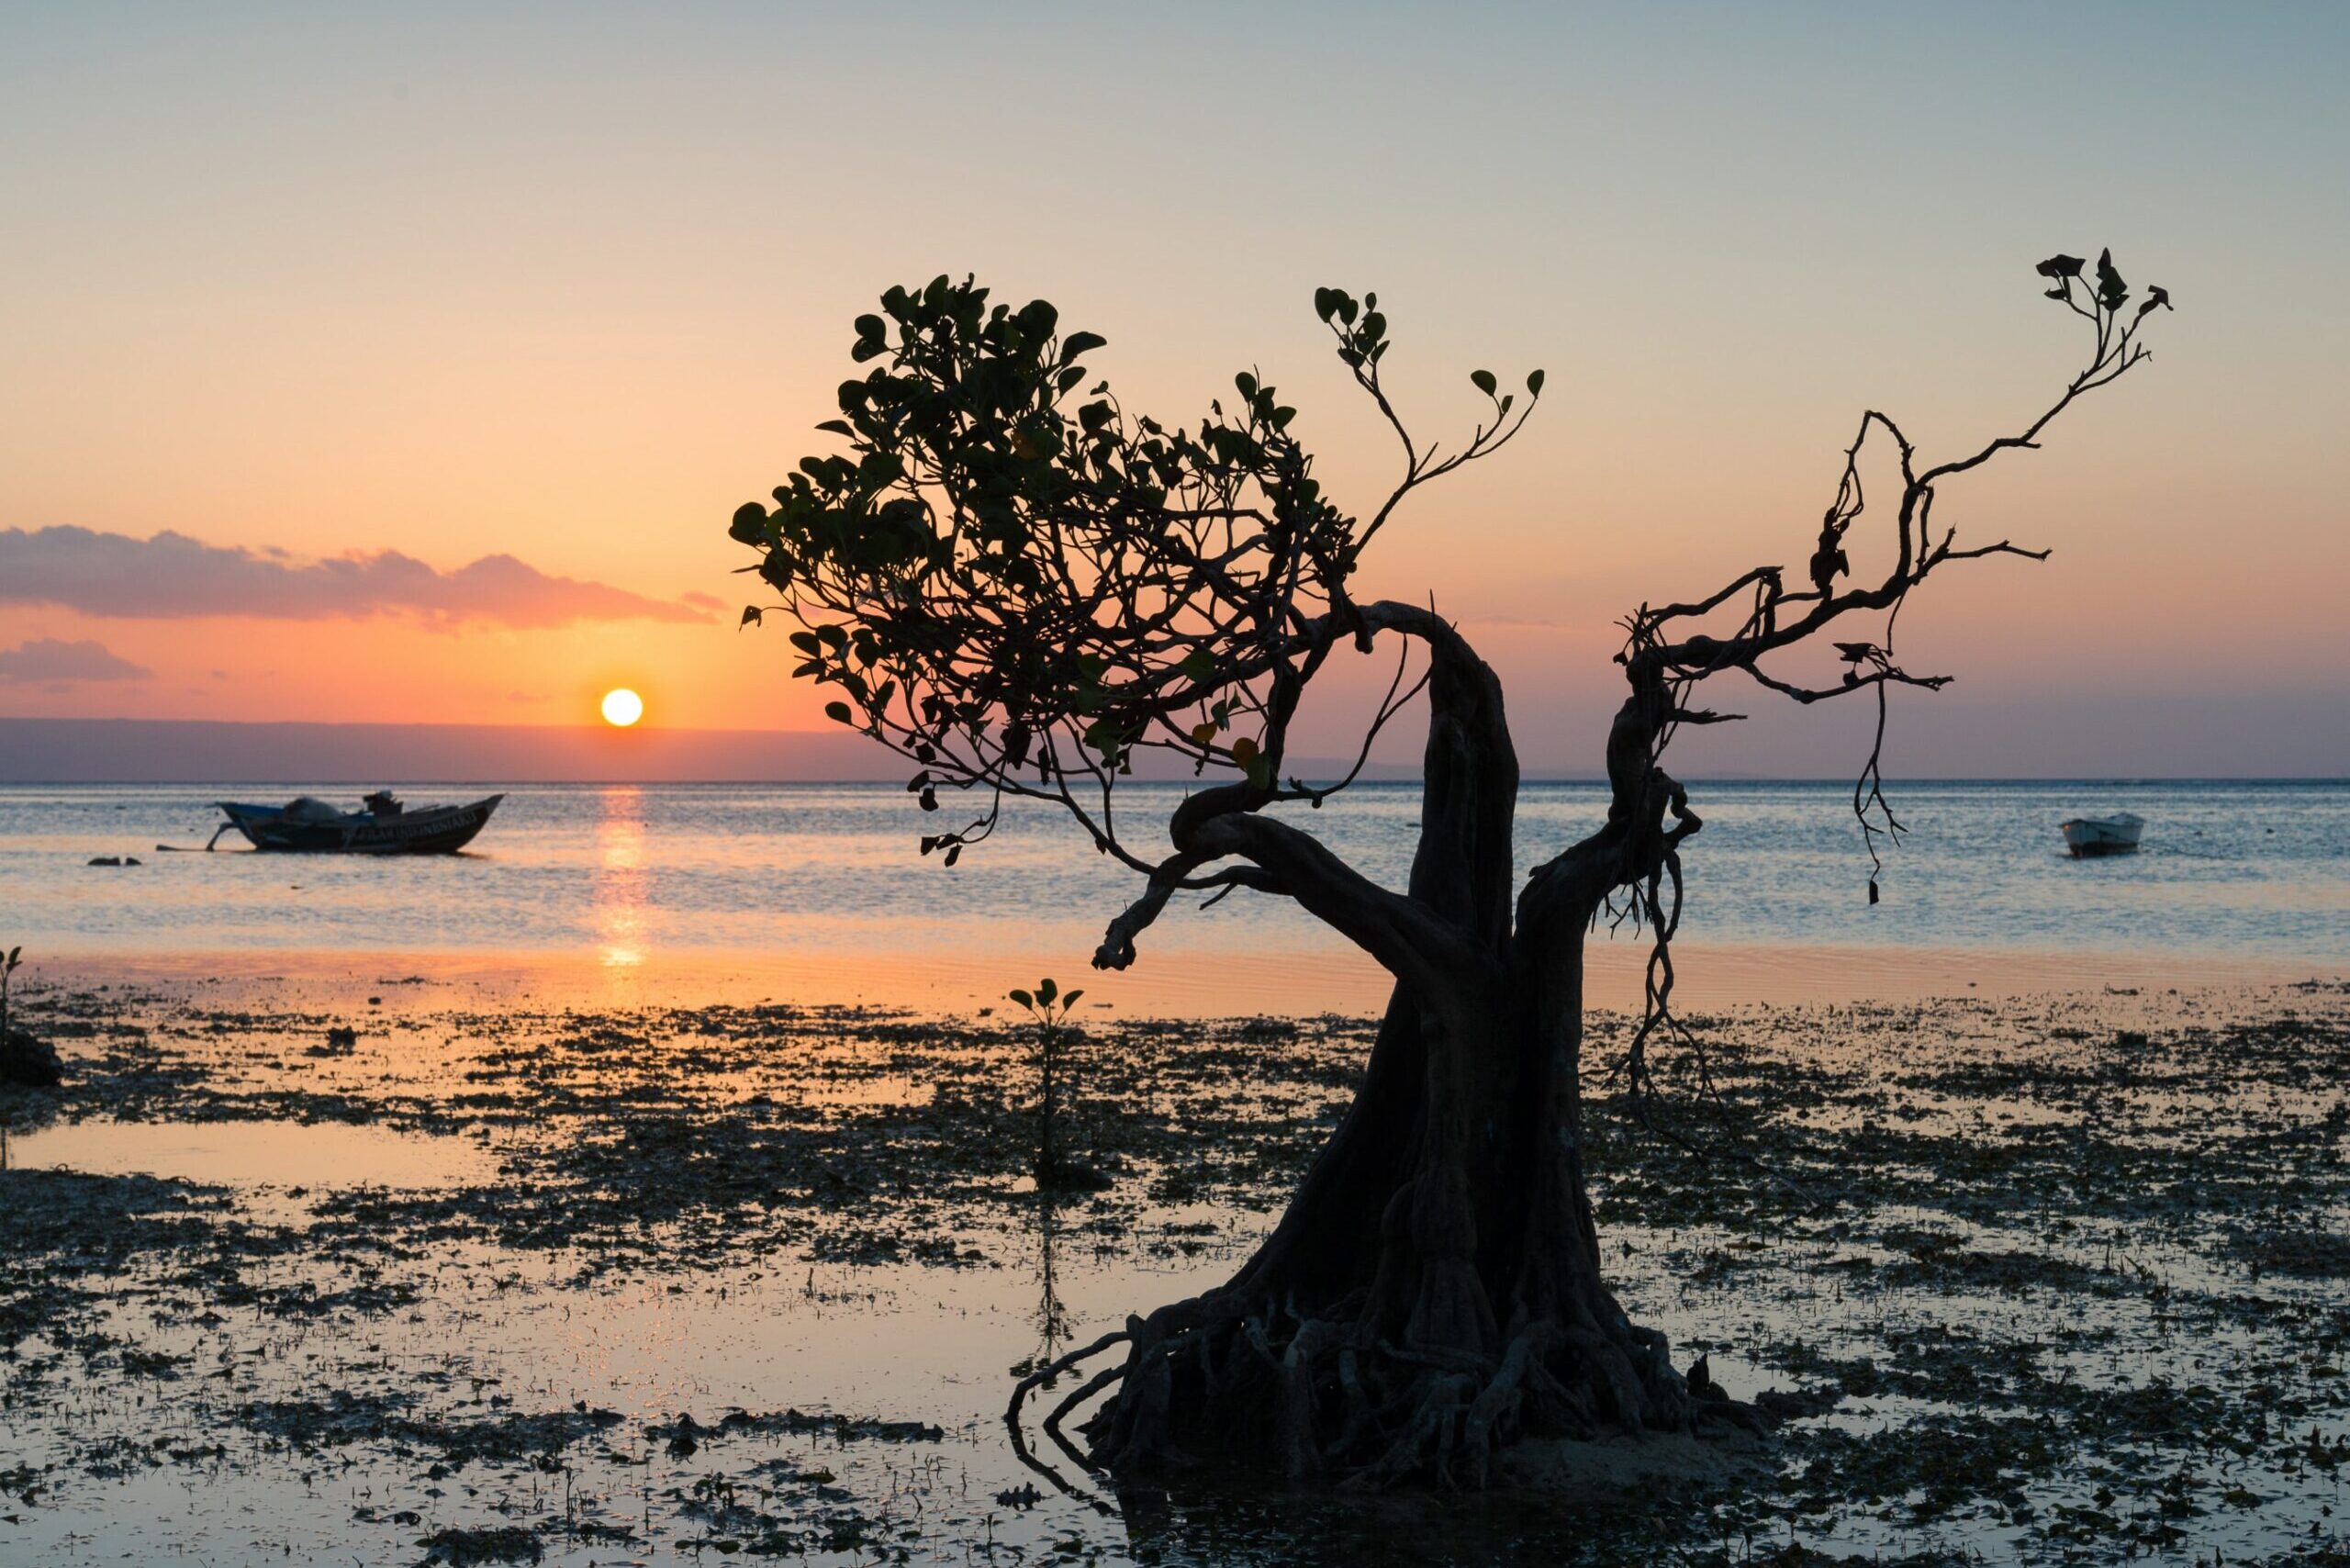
pixel 441 830
pixel 2089 837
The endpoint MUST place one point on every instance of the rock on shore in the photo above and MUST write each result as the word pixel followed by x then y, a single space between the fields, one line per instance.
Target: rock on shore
pixel 28 1063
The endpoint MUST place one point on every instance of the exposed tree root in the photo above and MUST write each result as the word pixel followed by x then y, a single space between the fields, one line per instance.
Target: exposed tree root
pixel 1232 1374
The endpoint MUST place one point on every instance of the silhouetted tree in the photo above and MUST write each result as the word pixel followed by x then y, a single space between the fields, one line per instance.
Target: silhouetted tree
pixel 1022 586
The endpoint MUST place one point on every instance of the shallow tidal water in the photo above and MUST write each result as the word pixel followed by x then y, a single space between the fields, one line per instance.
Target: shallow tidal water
pixel 816 892
pixel 2054 1278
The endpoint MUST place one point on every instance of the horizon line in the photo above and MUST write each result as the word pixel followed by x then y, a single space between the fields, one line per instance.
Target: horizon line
pixel 1840 780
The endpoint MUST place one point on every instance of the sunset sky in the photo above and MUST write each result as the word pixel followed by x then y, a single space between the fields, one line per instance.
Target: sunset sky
pixel 408 369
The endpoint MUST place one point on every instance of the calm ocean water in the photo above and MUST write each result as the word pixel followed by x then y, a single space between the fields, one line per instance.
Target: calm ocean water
pixel 824 873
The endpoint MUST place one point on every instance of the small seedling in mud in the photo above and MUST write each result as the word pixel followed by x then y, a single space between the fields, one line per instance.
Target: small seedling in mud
pixel 1048 1008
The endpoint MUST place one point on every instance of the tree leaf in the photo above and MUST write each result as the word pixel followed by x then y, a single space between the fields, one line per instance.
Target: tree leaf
pixel 750 524
pixel 1046 991
pixel 1534 383
pixel 1023 998
pixel 1484 381
pixel 2110 291
pixel 836 712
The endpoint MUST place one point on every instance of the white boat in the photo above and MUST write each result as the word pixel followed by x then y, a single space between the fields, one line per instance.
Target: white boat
pixel 2116 834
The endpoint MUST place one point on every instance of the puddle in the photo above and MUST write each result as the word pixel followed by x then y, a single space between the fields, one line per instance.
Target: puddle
pixel 256 1154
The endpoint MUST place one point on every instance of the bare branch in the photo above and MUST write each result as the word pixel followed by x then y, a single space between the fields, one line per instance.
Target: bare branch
pixel 1411 941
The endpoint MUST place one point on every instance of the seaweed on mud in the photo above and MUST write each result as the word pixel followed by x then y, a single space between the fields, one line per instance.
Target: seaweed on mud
pixel 2302 1251
pixel 1942 1463
pixel 796 1424
pixel 68 1234
pixel 308 1426
pixel 494 1543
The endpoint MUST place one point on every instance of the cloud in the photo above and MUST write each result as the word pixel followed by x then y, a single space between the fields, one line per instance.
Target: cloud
pixel 47 659
pixel 173 577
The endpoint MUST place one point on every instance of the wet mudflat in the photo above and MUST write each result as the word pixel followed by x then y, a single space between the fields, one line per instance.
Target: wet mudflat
pixel 2058 1279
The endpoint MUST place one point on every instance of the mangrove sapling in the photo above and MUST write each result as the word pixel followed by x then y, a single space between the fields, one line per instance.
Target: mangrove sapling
pixel 1054 1035
pixel 1023 588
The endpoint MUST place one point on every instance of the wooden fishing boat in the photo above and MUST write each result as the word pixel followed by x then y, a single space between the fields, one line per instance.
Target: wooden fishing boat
pixel 383 827
pixel 2116 834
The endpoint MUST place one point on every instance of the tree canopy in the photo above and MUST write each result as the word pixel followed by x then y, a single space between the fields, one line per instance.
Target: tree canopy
pixel 1020 584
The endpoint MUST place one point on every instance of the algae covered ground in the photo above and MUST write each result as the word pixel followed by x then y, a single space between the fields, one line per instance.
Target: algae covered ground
pixel 2059 1279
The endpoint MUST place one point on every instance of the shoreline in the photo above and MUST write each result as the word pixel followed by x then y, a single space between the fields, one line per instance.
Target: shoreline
pixel 1176 983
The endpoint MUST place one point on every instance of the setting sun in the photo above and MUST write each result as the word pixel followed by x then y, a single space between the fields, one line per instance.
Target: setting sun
pixel 622 707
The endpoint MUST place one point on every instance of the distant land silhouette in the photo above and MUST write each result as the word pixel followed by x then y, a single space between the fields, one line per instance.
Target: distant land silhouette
pixel 163 751
pixel 194 751
pixel 2287 736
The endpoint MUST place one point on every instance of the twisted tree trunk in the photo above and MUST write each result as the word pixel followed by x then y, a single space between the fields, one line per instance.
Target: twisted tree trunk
pixel 1434 1290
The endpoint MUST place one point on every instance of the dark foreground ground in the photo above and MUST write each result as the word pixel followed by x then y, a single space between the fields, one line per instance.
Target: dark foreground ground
pixel 2064 1279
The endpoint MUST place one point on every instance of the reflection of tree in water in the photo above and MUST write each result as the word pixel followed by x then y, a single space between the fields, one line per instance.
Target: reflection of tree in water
pixel 1052 1317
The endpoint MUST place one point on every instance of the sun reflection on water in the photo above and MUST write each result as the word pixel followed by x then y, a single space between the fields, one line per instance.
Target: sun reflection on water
pixel 618 901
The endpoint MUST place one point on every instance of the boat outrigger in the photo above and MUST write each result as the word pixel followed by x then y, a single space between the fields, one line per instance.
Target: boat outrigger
pixel 383 827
